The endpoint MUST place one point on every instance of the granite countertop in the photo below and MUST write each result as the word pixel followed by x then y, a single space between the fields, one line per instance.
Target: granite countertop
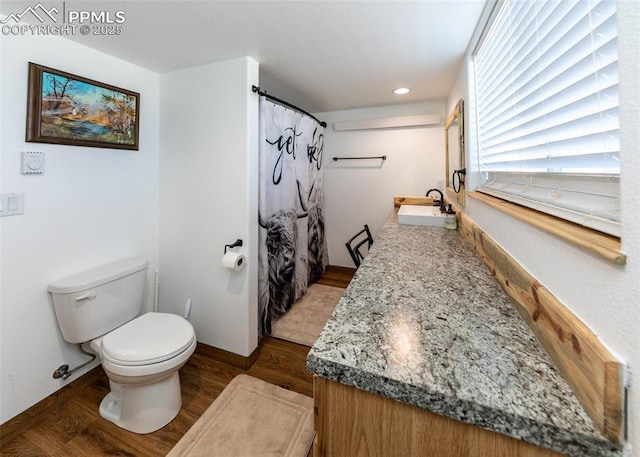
pixel 423 322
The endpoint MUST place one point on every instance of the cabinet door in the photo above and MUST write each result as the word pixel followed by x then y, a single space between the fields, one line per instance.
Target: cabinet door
pixel 353 423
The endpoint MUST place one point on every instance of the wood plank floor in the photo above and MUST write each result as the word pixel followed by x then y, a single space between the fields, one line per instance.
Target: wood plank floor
pixel 73 427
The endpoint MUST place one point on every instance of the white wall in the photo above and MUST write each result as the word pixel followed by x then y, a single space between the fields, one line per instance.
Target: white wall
pixel 208 195
pixel 604 296
pixel 92 206
pixel 361 192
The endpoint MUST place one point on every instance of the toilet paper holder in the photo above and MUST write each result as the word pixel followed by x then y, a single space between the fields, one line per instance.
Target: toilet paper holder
pixel 236 243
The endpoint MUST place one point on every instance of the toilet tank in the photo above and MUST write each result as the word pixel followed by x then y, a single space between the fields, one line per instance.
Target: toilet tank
pixel 94 302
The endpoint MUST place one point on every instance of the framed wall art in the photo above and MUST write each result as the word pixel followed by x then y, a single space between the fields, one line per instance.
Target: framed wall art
pixel 67 109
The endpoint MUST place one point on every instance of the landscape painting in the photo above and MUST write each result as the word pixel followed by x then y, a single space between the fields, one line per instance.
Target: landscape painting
pixel 68 109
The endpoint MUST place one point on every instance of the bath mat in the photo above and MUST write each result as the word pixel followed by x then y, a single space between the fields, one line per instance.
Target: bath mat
pixel 307 317
pixel 251 418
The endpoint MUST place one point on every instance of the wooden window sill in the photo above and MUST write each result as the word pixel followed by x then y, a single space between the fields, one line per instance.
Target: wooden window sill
pixel 600 244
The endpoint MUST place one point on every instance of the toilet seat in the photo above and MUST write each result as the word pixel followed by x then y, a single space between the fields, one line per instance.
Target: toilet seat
pixel 148 339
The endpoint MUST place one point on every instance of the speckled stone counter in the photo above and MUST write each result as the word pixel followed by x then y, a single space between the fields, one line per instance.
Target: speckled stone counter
pixel 423 322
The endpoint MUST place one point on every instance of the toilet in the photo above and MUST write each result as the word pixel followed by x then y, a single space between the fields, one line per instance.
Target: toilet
pixel 141 355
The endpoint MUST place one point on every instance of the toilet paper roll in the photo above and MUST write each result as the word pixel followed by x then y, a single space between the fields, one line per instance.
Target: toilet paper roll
pixel 233 261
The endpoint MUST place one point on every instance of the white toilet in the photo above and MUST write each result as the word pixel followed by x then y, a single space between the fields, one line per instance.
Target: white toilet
pixel 140 355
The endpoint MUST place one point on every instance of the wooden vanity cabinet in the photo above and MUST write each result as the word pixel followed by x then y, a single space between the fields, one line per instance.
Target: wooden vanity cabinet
pixel 352 423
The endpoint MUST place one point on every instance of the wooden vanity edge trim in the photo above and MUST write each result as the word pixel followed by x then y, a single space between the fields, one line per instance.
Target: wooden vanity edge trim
pixel 398 201
pixel 595 374
pixel 605 246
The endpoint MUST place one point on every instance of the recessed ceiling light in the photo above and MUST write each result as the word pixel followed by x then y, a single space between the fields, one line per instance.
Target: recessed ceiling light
pixel 401 91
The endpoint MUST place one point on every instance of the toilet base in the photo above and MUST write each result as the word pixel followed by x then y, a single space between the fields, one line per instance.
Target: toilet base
pixel 143 408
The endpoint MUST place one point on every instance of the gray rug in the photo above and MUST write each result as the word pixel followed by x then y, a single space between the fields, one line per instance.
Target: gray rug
pixel 307 317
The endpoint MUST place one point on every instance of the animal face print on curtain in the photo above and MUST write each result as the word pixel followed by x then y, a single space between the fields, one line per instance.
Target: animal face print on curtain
pixel 292 245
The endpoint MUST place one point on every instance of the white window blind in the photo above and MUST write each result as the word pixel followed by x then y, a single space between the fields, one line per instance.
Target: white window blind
pixel 546 80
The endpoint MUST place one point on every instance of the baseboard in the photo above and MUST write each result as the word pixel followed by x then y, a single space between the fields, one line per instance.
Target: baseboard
pixel 334 269
pixel 230 358
pixel 31 416
pixel 336 276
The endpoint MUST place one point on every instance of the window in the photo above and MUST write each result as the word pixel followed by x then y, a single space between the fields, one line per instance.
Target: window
pixel 546 82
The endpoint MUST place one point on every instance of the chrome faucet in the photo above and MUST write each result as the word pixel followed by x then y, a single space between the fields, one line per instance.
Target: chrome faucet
pixel 437 202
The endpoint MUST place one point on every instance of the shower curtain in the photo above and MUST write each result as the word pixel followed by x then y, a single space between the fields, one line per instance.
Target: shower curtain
pixel 292 246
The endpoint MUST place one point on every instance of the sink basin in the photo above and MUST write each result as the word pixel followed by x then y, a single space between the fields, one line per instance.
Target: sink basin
pixel 421 215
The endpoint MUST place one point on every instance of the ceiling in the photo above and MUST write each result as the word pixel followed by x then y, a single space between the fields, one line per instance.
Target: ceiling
pixel 320 55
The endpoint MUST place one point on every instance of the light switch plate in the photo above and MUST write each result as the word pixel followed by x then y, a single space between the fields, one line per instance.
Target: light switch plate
pixel 32 163
pixel 11 203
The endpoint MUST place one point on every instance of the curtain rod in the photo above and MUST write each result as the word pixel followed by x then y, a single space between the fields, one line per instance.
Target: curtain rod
pixel 257 90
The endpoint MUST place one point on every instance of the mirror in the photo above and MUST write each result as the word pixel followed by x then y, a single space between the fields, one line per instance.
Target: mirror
pixel 454 150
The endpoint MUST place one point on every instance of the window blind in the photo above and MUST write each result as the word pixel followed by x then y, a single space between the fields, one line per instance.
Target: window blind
pixel 546 79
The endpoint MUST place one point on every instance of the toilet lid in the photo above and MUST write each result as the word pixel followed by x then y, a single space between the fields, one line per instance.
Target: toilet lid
pixel 150 338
